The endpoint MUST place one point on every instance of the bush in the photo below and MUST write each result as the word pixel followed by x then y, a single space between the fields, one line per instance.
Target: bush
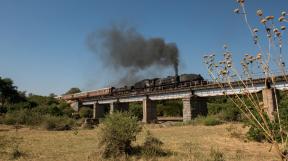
pixel 211 121
pixel 57 123
pixel 136 110
pixel 255 134
pixel 116 133
pixel 226 110
pixel 169 108
pixel 152 146
pixel 24 117
pixel 53 110
pixel 86 112
pixel 32 118
pixel 66 109
pixel 19 106
pixel 232 114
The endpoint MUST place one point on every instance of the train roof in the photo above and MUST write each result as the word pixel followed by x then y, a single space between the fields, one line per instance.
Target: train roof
pixel 90 91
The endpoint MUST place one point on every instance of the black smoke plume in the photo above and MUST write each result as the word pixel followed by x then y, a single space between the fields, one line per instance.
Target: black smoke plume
pixel 125 48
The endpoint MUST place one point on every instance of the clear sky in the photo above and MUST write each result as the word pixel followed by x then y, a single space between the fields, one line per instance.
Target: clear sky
pixel 43 48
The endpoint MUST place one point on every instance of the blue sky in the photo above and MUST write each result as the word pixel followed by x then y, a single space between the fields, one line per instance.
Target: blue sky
pixel 43 48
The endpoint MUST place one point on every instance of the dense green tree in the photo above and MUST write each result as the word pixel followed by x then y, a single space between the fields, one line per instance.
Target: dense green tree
pixel 9 93
pixel 52 95
pixel 73 90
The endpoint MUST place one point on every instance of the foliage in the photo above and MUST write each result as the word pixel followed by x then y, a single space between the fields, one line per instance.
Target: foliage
pixel 136 110
pixel 258 134
pixel 58 123
pixel 211 121
pixel 283 110
pixel 73 90
pixel 116 134
pixel 224 108
pixel 42 100
pixel 169 108
pixel 85 112
pixel 152 146
pixel 9 93
pixel 255 134
pixel 34 110
pixel 24 117
pixel 32 118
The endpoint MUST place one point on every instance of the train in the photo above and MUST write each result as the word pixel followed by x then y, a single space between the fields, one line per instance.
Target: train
pixel 168 81
pixel 94 93
pixel 146 85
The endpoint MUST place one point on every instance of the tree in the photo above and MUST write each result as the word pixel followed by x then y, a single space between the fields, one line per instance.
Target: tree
pixel 52 95
pixel 73 90
pixel 9 92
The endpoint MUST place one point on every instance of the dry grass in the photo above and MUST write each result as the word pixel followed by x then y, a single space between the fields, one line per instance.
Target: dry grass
pixel 184 143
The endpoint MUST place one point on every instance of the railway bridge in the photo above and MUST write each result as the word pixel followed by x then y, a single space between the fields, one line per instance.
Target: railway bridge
pixel 194 97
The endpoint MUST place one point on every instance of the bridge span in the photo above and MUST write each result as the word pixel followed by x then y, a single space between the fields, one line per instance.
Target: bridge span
pixel 194 97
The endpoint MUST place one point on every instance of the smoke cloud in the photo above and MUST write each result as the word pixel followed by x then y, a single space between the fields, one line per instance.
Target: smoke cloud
pixel 124 48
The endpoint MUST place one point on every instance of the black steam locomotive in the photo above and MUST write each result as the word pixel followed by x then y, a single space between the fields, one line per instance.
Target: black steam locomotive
pixel 184 80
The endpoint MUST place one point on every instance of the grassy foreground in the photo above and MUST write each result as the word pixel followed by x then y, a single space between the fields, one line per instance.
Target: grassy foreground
pixel 183 142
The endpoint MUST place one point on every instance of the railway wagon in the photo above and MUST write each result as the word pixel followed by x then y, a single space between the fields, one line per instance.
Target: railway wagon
pixel 100 92
pixel 67 97
pixel 80 95
pixel 95 93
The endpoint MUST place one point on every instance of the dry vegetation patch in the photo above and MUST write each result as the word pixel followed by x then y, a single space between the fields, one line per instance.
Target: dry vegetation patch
pixel 184 142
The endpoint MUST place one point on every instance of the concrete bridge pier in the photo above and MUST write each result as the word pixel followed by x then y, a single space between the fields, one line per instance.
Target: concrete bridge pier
pixel 269 102
pixel 193 106
pixel 98 110
pixel 149 111
pixel 118 106
pixel 75 106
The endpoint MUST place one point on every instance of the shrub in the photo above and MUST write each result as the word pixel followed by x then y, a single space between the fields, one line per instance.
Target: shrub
pixel 169 108
pixel 57 123
pixel 225 109
pixel 19 106
pixel 25 117
pixel 152 146
pixel 136 110
pixel 86 112
pixel 231 114
pixel 53 110
pixel 255 134
pixel 42 100
pixel 116 133
pixel 211 121
pixel 66 109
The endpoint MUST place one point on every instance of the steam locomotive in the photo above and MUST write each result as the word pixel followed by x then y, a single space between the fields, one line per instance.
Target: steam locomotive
pixel 183 80
pixel 146 85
